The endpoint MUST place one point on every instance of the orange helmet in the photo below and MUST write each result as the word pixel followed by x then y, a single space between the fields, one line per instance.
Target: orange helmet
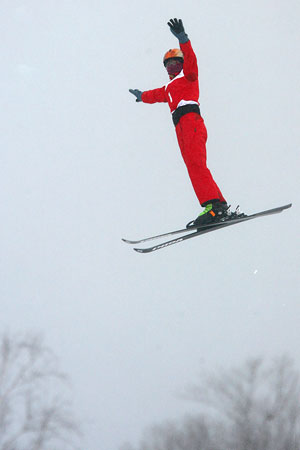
pixel 174 53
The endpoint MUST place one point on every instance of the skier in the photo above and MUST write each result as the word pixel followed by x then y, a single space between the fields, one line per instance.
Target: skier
pixel 182 94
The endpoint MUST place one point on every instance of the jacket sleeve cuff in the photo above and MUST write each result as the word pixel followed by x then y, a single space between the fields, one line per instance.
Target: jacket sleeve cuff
pixel 185 45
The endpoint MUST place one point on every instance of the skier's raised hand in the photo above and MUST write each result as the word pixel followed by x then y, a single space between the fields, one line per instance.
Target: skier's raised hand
pixel 176 27
pixel 137 93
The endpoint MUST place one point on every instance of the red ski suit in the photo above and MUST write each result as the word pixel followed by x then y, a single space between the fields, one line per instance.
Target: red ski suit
pixel 190 130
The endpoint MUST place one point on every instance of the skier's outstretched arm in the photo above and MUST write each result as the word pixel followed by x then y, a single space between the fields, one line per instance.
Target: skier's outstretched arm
pixel 152 96
pixel 190 67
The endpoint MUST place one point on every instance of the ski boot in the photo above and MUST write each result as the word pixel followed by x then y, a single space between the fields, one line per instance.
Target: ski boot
pixel 213 213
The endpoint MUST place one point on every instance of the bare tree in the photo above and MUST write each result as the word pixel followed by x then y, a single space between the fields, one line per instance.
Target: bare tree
pixel 191 433
pixel 259 403
pixel 256 407
pixel 34 411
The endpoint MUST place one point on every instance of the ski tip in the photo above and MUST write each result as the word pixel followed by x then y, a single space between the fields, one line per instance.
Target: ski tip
pixel 144 250
pixel 128 241
pixel 139 250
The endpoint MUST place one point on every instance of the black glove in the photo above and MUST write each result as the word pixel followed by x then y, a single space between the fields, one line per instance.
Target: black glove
pixel 137 93
pixel 176 27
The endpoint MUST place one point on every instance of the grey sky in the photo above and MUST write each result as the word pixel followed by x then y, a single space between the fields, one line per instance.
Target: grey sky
pixel 83 165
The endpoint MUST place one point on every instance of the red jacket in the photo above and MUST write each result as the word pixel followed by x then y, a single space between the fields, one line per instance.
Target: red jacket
pixel 183 88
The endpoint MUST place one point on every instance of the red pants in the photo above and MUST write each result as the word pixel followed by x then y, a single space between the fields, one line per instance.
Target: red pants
pixel 192 136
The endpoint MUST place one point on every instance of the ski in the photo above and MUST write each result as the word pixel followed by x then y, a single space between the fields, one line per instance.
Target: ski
pixel 183 230
pixel 151 238
pixel 203 230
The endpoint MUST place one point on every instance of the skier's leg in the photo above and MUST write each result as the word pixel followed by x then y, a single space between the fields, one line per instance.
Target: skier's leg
pixel 192 136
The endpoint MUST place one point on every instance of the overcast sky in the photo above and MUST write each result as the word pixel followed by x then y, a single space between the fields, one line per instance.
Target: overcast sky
pixel 82 165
